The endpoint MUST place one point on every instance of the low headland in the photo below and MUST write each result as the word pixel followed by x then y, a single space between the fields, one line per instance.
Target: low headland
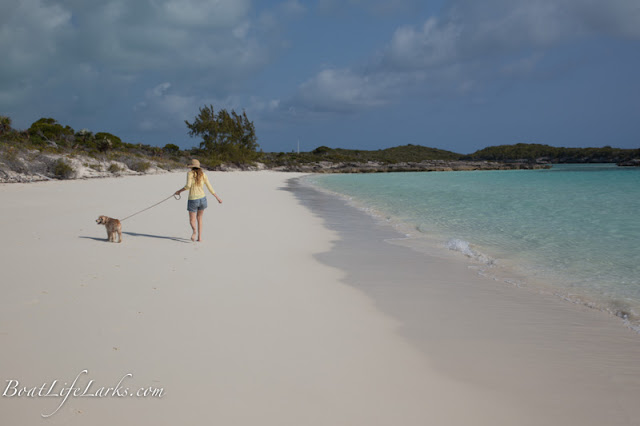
pixel 49 150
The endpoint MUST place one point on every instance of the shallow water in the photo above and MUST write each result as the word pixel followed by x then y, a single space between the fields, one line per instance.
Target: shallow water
pixel 574 228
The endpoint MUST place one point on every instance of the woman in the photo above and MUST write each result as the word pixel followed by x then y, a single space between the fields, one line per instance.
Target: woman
pixel 196 179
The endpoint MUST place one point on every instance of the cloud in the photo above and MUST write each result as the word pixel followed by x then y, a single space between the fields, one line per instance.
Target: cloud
pixel 105 55
pixel 342 90
pixel 544 22
pixel 432 45
pixel 470 46
pixel 375 7
pixel 30 34
pixel 168 35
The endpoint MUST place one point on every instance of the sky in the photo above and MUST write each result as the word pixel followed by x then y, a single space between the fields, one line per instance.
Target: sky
pixel 458 75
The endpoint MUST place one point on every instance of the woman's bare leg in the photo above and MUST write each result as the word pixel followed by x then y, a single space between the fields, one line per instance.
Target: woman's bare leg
pixel 200 213
pixel 192 222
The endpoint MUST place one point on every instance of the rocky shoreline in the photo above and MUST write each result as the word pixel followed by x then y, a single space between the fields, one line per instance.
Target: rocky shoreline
pixel 631 163
pixel 423 166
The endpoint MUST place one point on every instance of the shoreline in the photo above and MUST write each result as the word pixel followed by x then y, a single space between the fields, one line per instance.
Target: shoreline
pixel 488 262
pixel 536 348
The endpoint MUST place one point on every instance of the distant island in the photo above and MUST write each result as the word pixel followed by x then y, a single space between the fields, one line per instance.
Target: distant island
pixel 420 158
pixel 49 150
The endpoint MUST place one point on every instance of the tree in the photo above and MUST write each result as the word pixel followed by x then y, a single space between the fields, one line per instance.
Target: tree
pixel 226 137
pixel 5 124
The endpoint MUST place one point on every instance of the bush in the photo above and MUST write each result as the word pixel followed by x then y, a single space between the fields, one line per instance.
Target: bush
pixel 5 124
pixel 62 170
pixel 171 149
pixel 85 138
pixel 106 141
pixel 140 166
pixel 322 150
pixel 47 130
pixel 114 168
pixel 11 158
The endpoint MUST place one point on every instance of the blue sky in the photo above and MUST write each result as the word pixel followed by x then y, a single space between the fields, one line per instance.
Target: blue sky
pixel 367 74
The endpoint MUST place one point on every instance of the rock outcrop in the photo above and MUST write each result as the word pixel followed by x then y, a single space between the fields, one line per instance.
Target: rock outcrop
pixel 631 163
pixel 424 166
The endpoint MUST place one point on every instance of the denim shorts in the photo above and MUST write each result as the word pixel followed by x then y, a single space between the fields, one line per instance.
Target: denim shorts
pixel 195 205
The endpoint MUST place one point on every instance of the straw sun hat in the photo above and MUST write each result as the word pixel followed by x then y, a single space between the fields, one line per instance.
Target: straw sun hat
pixel 194 163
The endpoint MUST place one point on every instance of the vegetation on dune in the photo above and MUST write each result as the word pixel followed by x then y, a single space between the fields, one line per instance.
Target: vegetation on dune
pixel 62 170
pixel 227 137
pixel 47 136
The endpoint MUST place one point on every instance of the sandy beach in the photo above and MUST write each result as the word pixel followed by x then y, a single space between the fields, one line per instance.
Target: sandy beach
pixel 292 311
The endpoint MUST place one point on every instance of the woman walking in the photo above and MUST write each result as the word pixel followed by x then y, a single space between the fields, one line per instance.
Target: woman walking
pixel 196 179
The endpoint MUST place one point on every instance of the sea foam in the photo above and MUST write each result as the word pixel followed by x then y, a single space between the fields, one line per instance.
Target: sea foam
pixel 464 247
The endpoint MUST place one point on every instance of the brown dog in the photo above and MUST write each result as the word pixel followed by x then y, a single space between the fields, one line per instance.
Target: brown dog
pixel 113 226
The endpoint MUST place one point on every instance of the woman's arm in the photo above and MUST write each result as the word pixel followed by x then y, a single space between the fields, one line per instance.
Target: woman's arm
pixel 206 181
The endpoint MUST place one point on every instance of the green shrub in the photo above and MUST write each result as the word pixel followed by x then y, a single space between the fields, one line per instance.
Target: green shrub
pixel 171 149
pixel 5 124
pixel 140 166
pixel 62 170
pixel 114 168
pixel 105 141
pixel 49 130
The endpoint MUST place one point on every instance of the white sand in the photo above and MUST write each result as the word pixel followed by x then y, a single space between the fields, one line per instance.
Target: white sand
pixel 246 328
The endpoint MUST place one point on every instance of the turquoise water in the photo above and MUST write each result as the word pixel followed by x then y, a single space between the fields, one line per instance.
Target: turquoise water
pixel 574 227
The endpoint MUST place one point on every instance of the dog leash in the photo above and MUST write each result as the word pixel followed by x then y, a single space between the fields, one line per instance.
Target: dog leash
pixel 173 195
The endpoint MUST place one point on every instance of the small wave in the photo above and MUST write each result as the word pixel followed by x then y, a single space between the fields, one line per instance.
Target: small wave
pixel 423 228
pixel 464 247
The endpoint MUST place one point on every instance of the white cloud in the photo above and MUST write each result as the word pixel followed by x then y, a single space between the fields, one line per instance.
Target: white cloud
pixel 159 90
pixel 431 45
pixel 343 90
pixel 104 51
pixel 470 46
pixel 159 36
